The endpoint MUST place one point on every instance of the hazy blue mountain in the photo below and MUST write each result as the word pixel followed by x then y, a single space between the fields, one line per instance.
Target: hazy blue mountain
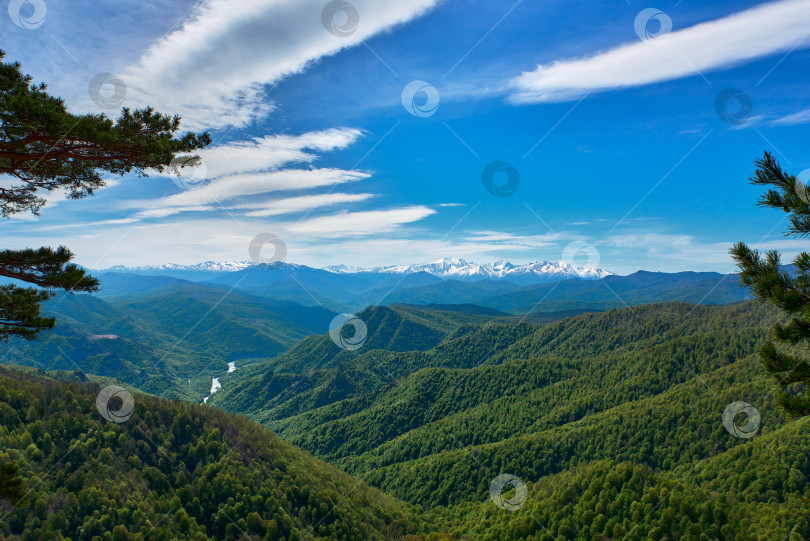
pixel 501 286
pixel 159 339
pixel 117 284
pixel 448 292
pixel 641 287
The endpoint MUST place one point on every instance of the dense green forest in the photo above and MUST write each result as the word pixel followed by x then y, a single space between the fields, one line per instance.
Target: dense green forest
pixel 168 341
pixel 638 390
pixel 613 420
pixel 172 471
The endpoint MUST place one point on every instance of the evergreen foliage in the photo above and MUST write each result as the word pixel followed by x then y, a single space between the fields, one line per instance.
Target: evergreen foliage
pixel 786 355
pixel 172 471
pixel 44 148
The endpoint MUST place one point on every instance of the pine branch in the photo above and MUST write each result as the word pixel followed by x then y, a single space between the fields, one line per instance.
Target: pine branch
pixel 764 274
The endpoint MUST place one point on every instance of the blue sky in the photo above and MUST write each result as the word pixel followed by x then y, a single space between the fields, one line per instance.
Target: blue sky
pixel 610 124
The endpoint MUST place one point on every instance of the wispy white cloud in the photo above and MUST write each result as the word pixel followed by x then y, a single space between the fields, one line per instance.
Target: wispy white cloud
pixel 259 167
pixel 301 203
pixel 251 184
pixel 164 212
pixel 757 32
pixel 273 151
pixel 788 248
pixel 361 223
pixel 673 251
pixel 802 117
pixel 515 241
pixel 214 68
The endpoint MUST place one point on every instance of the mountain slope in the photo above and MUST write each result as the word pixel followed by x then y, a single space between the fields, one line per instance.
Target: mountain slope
pixel 512 392
pixel 168 341
pixel 619 500
pixel 613 420
pixel 117 284
pixel 171 471
pixel 315 372
pixel 545 286
pixel 619 291
pixel 230 324
pixel 390 328
pixel 575 294
pixel 644 388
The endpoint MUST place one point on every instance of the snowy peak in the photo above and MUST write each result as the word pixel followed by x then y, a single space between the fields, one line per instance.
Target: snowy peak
pixel 460 269
pixel 343 269
pixel 535 272
pixel 207 266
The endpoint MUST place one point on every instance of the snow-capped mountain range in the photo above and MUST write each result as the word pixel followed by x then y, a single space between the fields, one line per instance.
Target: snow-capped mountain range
pixel 446 268
pixel 460 269
pixel 208 266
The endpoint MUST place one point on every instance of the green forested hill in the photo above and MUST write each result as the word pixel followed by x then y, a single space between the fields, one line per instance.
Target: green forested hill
pixel 172 471
pixel 316 372
pixel 160 340
pixel 757 492
pixel 392 328
pixel 483 383
pixel 634 394
pixel 613 420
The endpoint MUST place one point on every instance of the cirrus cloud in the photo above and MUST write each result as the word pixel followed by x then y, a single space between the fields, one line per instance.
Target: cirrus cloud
pixel 754 33
pixel 214 68
pixel 369 222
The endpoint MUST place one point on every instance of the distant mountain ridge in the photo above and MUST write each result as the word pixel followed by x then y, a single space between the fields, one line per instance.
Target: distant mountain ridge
pixel 208 266
pixel 535 272
pixel 461 269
